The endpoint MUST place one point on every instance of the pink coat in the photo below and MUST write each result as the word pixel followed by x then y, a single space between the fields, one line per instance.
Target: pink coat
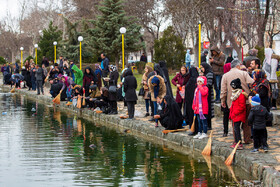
pixel 179 79
pixel 227 67
pixel 204 98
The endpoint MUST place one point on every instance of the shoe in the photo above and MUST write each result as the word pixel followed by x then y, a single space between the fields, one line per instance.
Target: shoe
pixel 233 145
pixel 255 151
pixel 197 136
pixel 147 114
pixel 203 136
pixel 265 149
pixel 156 125
pixel 225 135
pixel 152 119
pixel 218 101
pixel 240 147
pixel 191 134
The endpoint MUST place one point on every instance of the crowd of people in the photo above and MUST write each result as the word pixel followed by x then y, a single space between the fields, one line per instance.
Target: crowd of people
pixel 246 90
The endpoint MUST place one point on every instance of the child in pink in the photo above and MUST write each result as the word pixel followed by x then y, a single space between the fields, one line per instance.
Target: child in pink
pixel 200 106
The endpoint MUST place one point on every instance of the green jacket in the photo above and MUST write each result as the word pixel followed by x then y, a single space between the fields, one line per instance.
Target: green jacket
pixel 78 75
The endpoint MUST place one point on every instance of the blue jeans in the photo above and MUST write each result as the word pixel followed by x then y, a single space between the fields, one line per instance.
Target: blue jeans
pixel 155 109
pixel 188 65
pixel 33 82
pixel 217 87
pixel 147 102
pixel 202 124
pixel 68 93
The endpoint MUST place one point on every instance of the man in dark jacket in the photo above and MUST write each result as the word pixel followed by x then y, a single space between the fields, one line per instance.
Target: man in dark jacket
pixel 204 56
pixel 130 85
pixel 104 67
pixel 143 58
pixel 60 62
pixel 217 61
pixel 258 117
pixel 39 79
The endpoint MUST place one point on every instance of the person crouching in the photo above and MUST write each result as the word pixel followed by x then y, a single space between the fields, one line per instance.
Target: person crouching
pixel 200 106
pixel 258 117
pixel 237 110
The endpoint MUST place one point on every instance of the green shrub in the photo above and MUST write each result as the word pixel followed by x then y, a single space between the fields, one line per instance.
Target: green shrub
pixel 28 58
pixel 260 55
pixel 2 60
pixel 140 66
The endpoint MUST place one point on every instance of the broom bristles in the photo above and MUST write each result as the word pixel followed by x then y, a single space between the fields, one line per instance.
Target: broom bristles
pixel 84 100
pixel 79 102
pixel 176 130
pixel 56 100
pixel 207 149
pixel 230 158
pixel 193 124
pixel 13 90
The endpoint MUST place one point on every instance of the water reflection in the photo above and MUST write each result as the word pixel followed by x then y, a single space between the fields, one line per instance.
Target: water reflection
pixel 47 147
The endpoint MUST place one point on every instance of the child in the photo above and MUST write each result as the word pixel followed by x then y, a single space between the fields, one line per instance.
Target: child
pixel 258 117
pixel 237 110
pixel 200 106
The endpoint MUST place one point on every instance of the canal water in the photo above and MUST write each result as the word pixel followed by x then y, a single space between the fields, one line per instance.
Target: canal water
pixel 43 147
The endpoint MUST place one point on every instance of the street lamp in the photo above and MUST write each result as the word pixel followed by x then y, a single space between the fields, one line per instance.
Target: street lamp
pixel 36 46
pixel 80 39
pixel 123 31
pixel 199 43
pixel 54 43
pixel 21 49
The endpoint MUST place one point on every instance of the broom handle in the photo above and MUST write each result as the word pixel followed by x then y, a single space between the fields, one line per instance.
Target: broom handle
pixel 236 146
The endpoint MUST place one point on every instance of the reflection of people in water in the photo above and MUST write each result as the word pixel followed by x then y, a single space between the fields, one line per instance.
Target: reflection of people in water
pixel 199 182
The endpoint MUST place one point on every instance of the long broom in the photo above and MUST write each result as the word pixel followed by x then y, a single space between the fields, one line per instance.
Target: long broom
pixel 84 100
pixel 79 102
pixel 13 90
pixel 230 158
pixel 193 124
pixel 176 130
pixel 56 100
pixel 207 149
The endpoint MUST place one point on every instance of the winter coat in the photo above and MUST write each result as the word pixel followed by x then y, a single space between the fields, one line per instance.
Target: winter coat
pixel 78 75
pixel 238 109
pixel 182 80
pixel 219 60
pixel 105 64
pixel 162 88
pixel 39 74
pixel 258 116
pixel 130 85
pixel 188 57
pixel 227 67
pixel 204 96
pixel 114 76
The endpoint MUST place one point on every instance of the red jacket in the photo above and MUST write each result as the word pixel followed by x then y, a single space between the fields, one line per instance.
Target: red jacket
pixel 238 109
pixel 179 79
pixel 204 98
pixel 227 67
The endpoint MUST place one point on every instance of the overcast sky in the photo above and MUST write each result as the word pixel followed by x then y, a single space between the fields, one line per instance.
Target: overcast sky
pixel 8 5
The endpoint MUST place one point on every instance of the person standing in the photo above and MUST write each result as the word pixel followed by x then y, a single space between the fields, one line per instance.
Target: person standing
pixel 146 96
pixel 217 61
pixel 71 71
pixel 143 58
pixel 237 110
pixel 204 56
pixel 114 76
pixel 89 76
pixel 33 76
pixel 130 85
pixel 229 58
pixel 104 67
pixel 226 92
pixel 179 81
pixel 39 79
pixel 188 59
pixel 45 61
pixel 60 62
pixel 98 74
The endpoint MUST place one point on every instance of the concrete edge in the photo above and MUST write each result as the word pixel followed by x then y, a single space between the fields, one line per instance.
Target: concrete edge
pixel 262 169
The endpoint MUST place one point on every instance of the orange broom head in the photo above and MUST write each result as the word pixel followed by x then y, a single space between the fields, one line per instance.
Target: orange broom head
pixel 124 117
pixel 46 79
pixel 176 130
pixel 207 149
pixel 79 103
pixel 84 101
pixel 193 124
pixel 13 90
pixel 230 158
pixel 56 100
pixel 98 111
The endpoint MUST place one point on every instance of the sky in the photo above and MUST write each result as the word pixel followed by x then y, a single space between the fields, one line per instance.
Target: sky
pixel 11 6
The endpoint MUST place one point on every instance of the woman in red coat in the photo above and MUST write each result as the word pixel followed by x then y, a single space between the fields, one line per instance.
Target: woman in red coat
pixel 180 81
pixel 237 110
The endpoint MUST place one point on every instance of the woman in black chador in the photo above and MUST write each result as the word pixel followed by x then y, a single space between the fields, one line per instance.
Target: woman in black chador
pixel 171 116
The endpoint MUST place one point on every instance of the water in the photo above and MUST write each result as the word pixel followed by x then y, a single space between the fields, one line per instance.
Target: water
pixel 47 148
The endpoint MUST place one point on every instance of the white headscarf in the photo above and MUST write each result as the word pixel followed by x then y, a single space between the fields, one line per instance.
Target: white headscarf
pixel 270 65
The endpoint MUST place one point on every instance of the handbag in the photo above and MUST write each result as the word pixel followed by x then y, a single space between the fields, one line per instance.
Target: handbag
pixel 113 88
pixel 141 92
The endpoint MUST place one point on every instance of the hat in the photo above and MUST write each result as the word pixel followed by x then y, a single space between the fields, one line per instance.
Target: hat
pixel 236 83
pixel 256 100
pixel 200 79
pixel 205 51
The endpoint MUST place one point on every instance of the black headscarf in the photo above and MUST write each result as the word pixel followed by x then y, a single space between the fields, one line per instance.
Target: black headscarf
pixel 173 114
pixel 90 74
pixel 207 68
pixel 164 73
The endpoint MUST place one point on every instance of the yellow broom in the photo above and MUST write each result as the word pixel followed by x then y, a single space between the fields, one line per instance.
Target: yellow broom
pixel 124 117
pixel 230 158
pixel 193 124
pixel 176 130
pixel 13 90
pixel 84 100
pixel 56 100
pixel 79 102
pixel 207 149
